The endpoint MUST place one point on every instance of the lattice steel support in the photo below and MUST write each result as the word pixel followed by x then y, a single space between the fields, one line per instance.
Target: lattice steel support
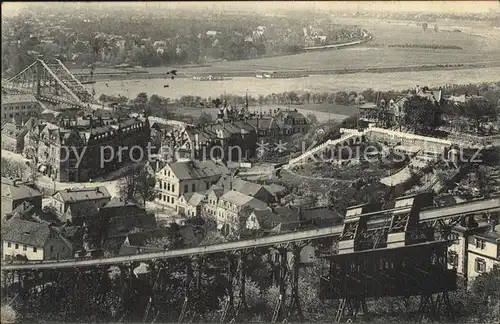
pixel 350 306
pixel 232 273
pixel 435 305
pixel 191 307
pixel 294 283
pixel 280 308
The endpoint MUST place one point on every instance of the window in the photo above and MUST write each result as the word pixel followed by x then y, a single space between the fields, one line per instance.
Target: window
pixel 173 200
pixel 480 265
pixel 51 248
pixel 480 244
pixel 173 188
pixel 168 199
pixel 168 186
pixel 25 247
pixel 8 244
pixel 193 187
pixel 35 250
pixel 168 173
pixel 452 258
pixel 17 246
pixel 186 189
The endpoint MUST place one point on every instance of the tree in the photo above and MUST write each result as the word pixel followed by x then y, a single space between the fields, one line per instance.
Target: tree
pixel 138 182
pixel 420 114
pixel 307 96
pixel 331 98
pixel 312 118
pixel 369 95
pixel 424 26
pixel 102 98
pixel 293 97
pixel 213 237
pixel 156 105
pixel 173 240
pixel 204 119
pixel 479 110
pixel 13 169
pixel 342 98
pixel 140 102
pixel 486 293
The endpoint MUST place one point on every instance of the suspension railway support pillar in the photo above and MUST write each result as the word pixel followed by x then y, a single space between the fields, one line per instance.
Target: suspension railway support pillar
pixel 232 278
pixel 127 289
pixel 191 307
pixel 242 303
pixel 294 306
pixel 288 303
pixel 235 306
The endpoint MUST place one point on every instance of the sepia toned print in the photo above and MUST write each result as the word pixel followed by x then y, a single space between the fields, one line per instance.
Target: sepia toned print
pixel 250 162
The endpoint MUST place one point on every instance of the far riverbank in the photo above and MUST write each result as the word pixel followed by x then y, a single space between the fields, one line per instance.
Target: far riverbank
pixel 145 75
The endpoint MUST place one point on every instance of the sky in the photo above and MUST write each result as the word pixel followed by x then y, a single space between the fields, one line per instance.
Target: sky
pixel 12 8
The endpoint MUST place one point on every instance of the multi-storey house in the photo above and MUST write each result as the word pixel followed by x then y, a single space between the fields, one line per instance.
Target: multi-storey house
pixel 78 150
pixel 76 205
pixel 183 177
pixel 212 201
pixel 483 252
pixel 19 106
pixel 248 188
pixel 234 208
pixel 13 137
pixel 291 122
pixel 30 239
pixel 15 192
pixel 475 250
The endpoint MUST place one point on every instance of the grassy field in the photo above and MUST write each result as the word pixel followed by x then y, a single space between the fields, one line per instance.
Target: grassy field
pixel 362 57
pixel 323 111
pixel 477 42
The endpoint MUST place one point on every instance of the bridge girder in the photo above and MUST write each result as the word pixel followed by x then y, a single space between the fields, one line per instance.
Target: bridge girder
pixel 52 83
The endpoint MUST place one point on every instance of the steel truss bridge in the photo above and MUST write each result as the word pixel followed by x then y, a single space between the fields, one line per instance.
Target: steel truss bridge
pixel 50 83
pixel 412 227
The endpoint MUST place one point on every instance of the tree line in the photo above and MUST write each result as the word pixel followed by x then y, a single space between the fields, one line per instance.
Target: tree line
pixel 490 93
pixel 431 46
